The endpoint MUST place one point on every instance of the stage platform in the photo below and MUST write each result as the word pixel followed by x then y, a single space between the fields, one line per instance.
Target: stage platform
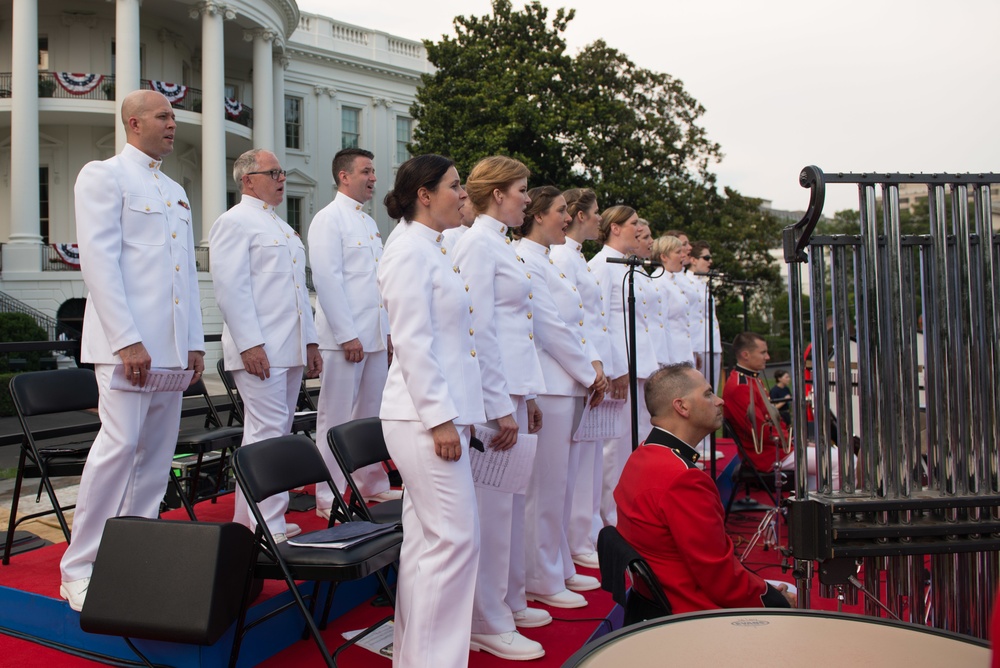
pixel 31 609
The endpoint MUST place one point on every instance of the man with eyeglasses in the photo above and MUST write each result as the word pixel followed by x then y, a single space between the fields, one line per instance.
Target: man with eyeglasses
pixel 259 274
pixel 345 247
pixel 133 223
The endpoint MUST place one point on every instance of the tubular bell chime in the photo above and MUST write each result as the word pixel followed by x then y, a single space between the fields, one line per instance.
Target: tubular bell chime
pixel 905 348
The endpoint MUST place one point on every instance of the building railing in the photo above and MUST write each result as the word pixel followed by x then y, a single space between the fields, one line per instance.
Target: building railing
pixel 60 257
pixel 53 327
pixel 104 89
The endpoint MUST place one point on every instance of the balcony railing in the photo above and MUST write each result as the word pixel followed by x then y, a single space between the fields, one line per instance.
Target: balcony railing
pixel 104 89
pixel 65 257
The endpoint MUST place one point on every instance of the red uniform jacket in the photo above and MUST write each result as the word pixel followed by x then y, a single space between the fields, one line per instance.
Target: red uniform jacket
pixel 755 427
pixel 671 514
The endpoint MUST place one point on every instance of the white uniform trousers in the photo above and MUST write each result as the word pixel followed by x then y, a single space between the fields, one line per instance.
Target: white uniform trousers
pixel 440 553
pixel 268 411
pixel 500 579
pixel 127 469
pixel 617 451
pixel 788 464
pixel 585 513
pixel 549 497
pixel 349 391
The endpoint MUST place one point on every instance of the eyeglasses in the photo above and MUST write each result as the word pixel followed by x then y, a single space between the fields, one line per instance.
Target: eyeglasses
pixel 273 173
pixel 705 257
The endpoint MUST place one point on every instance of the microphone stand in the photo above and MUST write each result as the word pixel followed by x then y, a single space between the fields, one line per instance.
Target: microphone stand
pixel 710 297
pixel 633 263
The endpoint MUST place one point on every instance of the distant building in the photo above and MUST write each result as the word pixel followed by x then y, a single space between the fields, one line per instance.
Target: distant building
pixel 241 74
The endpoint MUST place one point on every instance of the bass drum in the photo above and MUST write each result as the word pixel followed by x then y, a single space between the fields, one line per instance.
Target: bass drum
pixel 779 639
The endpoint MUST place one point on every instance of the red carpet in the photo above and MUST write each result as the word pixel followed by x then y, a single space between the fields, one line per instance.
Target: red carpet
pixel 37 572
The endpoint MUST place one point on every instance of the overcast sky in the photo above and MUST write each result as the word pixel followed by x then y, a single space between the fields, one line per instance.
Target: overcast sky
pixel 849 85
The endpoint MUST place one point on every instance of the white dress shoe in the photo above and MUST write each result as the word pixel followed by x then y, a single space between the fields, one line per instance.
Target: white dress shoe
pixel 582 583
pixel 511 645
pixel 75 592
pixel 586 560
pixel 563 599
pixel 292 530
pixel 323 512
pixel 387 495
pixel 531 618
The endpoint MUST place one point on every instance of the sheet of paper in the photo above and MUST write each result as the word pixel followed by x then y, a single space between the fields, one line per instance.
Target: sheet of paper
pixel 157 380
pixel 503 470
pixel 378 641
pixel 601 423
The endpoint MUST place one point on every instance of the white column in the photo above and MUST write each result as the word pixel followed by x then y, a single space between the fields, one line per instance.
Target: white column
pixel 126 60
pixel 263 88
pixel 22 252
pixel 278 104
pixel 213 129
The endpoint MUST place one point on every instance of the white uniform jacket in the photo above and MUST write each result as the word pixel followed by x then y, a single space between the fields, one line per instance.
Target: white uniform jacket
pixel 501 288
pixel 434 376
pixel 649 301
pixel 694 291
pixel 570 260
pixel 559 319
pixel 676 318
pixel 610 277
pixel 259 274
pixel 133 225
pixel 345 248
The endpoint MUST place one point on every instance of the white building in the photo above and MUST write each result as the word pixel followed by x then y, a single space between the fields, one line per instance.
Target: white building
pixel 259 74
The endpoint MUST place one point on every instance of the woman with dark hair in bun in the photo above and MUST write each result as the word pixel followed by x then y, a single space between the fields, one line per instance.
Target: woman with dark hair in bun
pixel 432 397
pixel 585 225
pixel 572 369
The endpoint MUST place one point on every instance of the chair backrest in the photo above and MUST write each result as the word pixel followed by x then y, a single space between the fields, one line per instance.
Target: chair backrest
pixel 616 557
pixel 358 443
pixel 234 395
pixel 275 465
pixel 741 451
pixel 198 389
pixel 59 391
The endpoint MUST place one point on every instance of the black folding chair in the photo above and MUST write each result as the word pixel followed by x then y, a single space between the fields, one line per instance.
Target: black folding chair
pixel 212 437
pixel 277 465
pixel 42 394
pixel 357 444
pixel 619 559
pixel 748 475
pixel 304 421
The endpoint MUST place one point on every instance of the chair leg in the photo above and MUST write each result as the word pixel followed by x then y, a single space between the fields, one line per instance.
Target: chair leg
pixel 241 618
pixel 12 522
pixel 51 492
pixel 182 496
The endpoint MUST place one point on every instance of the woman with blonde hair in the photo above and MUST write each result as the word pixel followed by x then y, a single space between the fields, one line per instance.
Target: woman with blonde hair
pixel 670 251
pixel 572 369
pixel 501 291
pixel 618 233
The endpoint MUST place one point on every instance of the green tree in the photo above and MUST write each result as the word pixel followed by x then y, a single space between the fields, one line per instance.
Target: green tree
pixel 499 88
pixel 504 84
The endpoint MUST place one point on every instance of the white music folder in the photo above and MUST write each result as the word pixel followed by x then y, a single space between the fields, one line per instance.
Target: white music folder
pixel 157 380
pixel 503 470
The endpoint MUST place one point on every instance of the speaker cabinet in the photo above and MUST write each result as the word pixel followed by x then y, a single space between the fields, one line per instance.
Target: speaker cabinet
pixel 168 580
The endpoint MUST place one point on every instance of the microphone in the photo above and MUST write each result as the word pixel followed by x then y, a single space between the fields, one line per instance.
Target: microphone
pixel 634 261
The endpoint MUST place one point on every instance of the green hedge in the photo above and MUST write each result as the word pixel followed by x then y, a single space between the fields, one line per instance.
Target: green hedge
pixel 6 403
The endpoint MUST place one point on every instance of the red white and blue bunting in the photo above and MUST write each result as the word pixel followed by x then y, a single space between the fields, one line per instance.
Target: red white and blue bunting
pixel 173 92
pixel 68 254
pixel 78 84
pixel 233 108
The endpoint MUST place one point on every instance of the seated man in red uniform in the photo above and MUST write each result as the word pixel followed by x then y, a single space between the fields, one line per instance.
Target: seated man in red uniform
pixel 753 417
pixel 669 510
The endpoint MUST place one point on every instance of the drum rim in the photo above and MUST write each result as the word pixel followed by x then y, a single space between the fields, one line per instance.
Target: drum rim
pixel 607 638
